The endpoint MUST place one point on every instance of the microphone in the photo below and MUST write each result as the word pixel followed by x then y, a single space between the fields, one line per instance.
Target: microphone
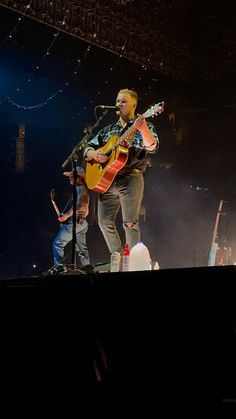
pixel 108 107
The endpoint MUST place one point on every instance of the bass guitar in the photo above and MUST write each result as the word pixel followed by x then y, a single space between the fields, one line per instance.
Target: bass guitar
pixel 99 176
pixel 52 196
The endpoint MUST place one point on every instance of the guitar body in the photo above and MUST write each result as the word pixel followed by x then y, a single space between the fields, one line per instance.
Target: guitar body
pixel 99 177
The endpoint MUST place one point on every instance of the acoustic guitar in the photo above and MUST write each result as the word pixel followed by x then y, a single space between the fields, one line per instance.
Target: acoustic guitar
pixel 99 176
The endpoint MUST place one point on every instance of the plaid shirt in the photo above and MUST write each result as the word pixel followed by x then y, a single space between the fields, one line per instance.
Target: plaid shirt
pixel 137 152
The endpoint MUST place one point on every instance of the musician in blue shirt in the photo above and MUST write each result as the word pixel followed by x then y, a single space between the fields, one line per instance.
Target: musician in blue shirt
pixel 64 236
pixel 116 161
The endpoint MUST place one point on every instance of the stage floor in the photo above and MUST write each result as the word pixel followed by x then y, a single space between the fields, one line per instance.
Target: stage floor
pixel 173 328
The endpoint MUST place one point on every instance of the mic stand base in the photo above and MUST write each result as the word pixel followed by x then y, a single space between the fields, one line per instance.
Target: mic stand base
pixel 74 271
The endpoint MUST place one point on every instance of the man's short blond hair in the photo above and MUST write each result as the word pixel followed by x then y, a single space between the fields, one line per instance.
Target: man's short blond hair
pixel 130 92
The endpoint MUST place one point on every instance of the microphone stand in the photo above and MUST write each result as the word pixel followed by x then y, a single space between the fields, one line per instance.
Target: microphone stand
pixel 73 158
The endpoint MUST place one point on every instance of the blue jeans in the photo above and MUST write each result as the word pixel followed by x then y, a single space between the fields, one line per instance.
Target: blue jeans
pixel 125 193
pixel 65 236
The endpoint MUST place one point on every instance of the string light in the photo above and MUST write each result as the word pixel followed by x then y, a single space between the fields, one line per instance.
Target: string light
pixel 110 73
pixel 38 105
pixel 150 82
pixel 37 68
pixel 14 28
pixel 44 56
pixel 60 90
pixel 111 70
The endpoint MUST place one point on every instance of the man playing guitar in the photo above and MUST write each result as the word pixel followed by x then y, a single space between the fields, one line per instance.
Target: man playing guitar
pixel 117 156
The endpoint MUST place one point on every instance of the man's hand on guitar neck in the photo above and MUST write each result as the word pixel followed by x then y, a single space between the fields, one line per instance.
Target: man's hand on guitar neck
pixel 96 155
pixel 140 123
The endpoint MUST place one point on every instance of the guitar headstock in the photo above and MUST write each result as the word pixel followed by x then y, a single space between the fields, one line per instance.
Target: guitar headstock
pixel 154 110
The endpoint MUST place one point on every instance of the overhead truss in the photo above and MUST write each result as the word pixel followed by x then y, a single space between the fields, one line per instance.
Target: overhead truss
pixel 156 34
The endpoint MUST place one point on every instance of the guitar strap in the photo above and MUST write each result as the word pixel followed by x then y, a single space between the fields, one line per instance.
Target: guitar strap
pixel 127 126
pixel 129 139
pixel 68 205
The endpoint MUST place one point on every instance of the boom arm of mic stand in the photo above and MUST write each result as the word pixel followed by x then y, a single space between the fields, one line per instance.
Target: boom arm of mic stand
pixel 88 135
pixel 73 155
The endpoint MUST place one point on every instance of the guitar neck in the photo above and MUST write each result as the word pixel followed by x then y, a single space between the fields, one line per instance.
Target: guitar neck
pixel 124 137
pixel 56 208
pixel 131 129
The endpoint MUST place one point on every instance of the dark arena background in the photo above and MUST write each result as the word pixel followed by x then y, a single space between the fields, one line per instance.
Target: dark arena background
pixel 170 331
